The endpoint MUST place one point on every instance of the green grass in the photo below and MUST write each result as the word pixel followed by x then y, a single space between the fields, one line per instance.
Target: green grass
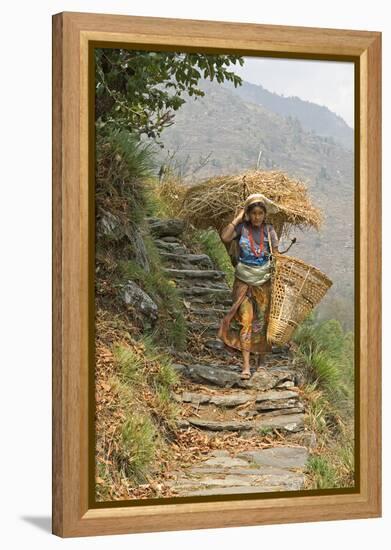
pixel 130 364
pixel 102 489
pixel 156 205
pixel 327 371
pixel 323 473
pixel 334 469
pixel 167 375
pixel 167 407
pixel 327 352
pixel 130 269
pixel 139 443
pixel 210 243
pixel 147 371
pixel 122 165
pixel 124 187
pixel 133 367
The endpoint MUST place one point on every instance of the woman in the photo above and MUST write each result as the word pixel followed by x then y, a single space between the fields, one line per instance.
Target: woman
pixel 244 327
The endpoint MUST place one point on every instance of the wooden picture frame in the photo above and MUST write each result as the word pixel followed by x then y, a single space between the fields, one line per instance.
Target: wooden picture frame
pixel 74 37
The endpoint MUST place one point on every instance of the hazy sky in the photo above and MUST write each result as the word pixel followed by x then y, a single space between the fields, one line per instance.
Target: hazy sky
pixel 329 83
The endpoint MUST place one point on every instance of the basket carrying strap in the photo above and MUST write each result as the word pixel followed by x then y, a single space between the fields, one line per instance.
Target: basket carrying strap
pixel 268 236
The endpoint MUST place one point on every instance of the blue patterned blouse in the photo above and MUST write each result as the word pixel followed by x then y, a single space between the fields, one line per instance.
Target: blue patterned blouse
pixel 246 255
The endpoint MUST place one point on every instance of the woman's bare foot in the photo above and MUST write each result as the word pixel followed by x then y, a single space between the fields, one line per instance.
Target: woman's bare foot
pixel 245 374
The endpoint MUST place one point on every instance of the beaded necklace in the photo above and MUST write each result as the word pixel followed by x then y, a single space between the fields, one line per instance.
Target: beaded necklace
pixel 251 239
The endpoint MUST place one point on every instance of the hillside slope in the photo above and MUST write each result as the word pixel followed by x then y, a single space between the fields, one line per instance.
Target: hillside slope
pixel 318 118
pixel 221 133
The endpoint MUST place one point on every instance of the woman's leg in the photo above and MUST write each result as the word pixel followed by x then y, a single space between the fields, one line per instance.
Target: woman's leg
pixel 246 360
pixel 262 296
pixel 245 319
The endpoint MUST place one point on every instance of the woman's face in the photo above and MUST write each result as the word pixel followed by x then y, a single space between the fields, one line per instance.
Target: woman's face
pixel 257 215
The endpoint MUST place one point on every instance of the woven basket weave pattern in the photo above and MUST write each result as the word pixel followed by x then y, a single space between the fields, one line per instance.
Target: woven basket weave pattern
pixel 297 288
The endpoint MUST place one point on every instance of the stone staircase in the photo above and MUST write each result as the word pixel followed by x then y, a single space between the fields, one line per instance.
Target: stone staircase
pixel 215 400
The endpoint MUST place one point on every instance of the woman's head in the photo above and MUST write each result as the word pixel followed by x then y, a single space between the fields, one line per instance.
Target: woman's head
pixel 256 213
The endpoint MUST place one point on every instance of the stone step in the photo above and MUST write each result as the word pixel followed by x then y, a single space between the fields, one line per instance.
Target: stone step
pixel 281 399
pixel 254 471
pixel 215 425
pixel 208 300
pixel 207 274
pixel 200 283
pixel 267 400
pixel 172 239
pixel 280 458
pixel 277 457
pixel 170 247
pixel 240 490
pixel 208 312
pixel 205 328
pixel 166 228
pixel 186 260
pixel 196 291
pixel 228 400
pixel 252 413
pixel 226 377
pixel 285 422
pixel 216 345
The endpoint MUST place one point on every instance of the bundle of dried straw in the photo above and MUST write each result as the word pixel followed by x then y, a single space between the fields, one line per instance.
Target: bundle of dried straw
pixel 213 202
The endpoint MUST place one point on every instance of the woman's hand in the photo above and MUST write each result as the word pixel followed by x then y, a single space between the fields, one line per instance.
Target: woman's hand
pixel 228 232
pixel 239 215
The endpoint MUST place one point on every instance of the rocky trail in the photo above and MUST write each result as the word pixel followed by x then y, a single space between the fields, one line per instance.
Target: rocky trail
pixel 215 400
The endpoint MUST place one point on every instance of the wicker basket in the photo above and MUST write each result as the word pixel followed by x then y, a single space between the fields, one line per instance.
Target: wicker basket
pixel 296 289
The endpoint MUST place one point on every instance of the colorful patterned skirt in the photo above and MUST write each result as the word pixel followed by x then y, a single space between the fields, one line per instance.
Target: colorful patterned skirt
pixel 244 327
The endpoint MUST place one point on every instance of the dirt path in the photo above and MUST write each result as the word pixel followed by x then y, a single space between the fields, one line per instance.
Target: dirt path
pixel 216 400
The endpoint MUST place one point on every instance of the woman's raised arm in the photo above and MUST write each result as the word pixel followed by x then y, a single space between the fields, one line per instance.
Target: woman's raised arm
pixel 228 232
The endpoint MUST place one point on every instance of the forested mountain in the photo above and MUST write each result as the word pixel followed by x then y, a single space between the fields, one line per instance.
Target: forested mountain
pixel 317 118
